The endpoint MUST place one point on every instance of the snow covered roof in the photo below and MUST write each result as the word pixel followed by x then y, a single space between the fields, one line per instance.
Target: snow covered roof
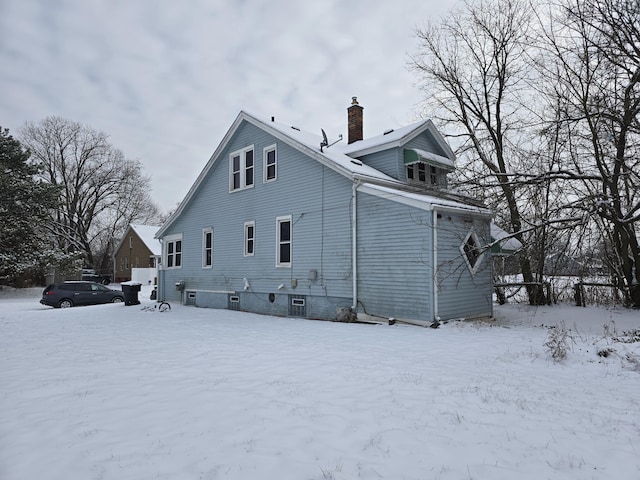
pixel 333 157
pixel 421 200
pixel 147 235
pixel 340 158
pixel 396 138
pixel 509 245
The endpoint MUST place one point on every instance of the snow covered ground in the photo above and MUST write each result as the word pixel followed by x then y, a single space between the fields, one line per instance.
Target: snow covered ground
pixel 118 392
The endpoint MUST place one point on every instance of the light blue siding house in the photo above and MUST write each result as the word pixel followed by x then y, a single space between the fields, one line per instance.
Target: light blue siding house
pixel 281 223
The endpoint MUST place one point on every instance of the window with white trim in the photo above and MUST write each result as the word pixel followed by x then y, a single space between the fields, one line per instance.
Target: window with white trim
pixel 420 172
pixel 207 247
pixel 472 252
pixel 283 241
pixel 270 161
pixel 173 251
pixel 241 169
pixel 249 238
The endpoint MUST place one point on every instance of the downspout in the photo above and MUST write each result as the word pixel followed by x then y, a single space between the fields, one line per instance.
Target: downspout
pixel 434 232
pixel 354 259
pixel 160 269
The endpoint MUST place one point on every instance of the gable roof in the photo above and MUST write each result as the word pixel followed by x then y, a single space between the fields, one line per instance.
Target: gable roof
pixel 339 158
pixel 503 243
pixel 398 138
pixel 146 233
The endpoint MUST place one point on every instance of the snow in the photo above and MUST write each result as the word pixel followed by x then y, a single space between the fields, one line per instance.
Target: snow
pixel 128 392
pixel 147 234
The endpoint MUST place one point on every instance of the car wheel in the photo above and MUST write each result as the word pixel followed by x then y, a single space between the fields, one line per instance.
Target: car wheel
pixel 117 300
pixel 65 303
pixel 105 281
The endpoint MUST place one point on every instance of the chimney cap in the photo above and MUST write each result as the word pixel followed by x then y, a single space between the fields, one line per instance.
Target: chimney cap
pixel 354 101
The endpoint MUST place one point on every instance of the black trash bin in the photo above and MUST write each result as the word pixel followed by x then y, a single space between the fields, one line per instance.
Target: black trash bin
pixel 130 290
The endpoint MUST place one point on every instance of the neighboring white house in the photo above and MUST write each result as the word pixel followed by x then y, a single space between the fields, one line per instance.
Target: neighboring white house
pixel 284 222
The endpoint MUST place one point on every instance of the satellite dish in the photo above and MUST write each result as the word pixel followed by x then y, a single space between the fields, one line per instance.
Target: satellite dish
pixel 325 142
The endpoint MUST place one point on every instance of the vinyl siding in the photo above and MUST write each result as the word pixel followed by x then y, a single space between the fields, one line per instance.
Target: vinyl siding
pixel 461 293
pixel 319 202
pixel 394 258
pixel 389 162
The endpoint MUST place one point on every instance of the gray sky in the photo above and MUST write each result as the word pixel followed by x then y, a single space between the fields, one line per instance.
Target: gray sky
pixel 165 80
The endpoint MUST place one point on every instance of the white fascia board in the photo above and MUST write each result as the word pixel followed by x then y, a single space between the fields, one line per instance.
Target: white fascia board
pixel 380 143
pixel 423 202
pixel 395 196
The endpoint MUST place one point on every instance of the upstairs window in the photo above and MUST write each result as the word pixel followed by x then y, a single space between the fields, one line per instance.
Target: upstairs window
pixel 241 169
pixel 283 241
pixel 174 252
pixel 421 172
pixel 270 163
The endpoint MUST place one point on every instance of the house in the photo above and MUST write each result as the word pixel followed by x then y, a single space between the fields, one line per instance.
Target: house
pixel 504 249
pixel 284 222
pixel 137 255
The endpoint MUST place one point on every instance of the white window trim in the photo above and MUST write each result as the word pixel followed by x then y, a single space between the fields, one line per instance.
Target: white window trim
pixel 279 220
pixel 430 171
pixel 246 238
pixel 472 268
pixel 243 168
pixel 165 251
pixel 205 231
pixel 265 151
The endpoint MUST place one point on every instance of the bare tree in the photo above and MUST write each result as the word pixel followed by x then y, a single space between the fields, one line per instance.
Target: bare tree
pixel 101 191
pixel 475 71
pixel 592 66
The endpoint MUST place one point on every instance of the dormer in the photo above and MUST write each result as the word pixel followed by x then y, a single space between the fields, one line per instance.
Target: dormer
pixel 416 154
pixel 426 169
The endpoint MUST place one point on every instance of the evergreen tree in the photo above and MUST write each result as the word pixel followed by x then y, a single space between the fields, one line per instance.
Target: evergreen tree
pixel 24 203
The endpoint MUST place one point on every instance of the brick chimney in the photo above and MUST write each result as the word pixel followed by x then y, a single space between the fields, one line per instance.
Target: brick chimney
pixel 354 117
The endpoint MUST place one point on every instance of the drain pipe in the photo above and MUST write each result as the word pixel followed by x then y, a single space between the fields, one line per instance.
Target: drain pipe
pixel 434 222
pixel 354 259
pixel 160 269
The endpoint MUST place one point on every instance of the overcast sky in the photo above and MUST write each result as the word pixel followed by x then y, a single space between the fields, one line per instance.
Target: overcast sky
pixel 165 80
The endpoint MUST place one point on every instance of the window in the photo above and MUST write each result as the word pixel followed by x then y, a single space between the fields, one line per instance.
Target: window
pixel 417 173
pixel 270 163
pixel 283 241
pixel 174 251
pixel 249 238
pixel 241 169
pixel 207 247
pixel 472 252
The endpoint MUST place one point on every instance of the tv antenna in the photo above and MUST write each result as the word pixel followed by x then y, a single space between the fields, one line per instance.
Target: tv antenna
pixel 325 142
